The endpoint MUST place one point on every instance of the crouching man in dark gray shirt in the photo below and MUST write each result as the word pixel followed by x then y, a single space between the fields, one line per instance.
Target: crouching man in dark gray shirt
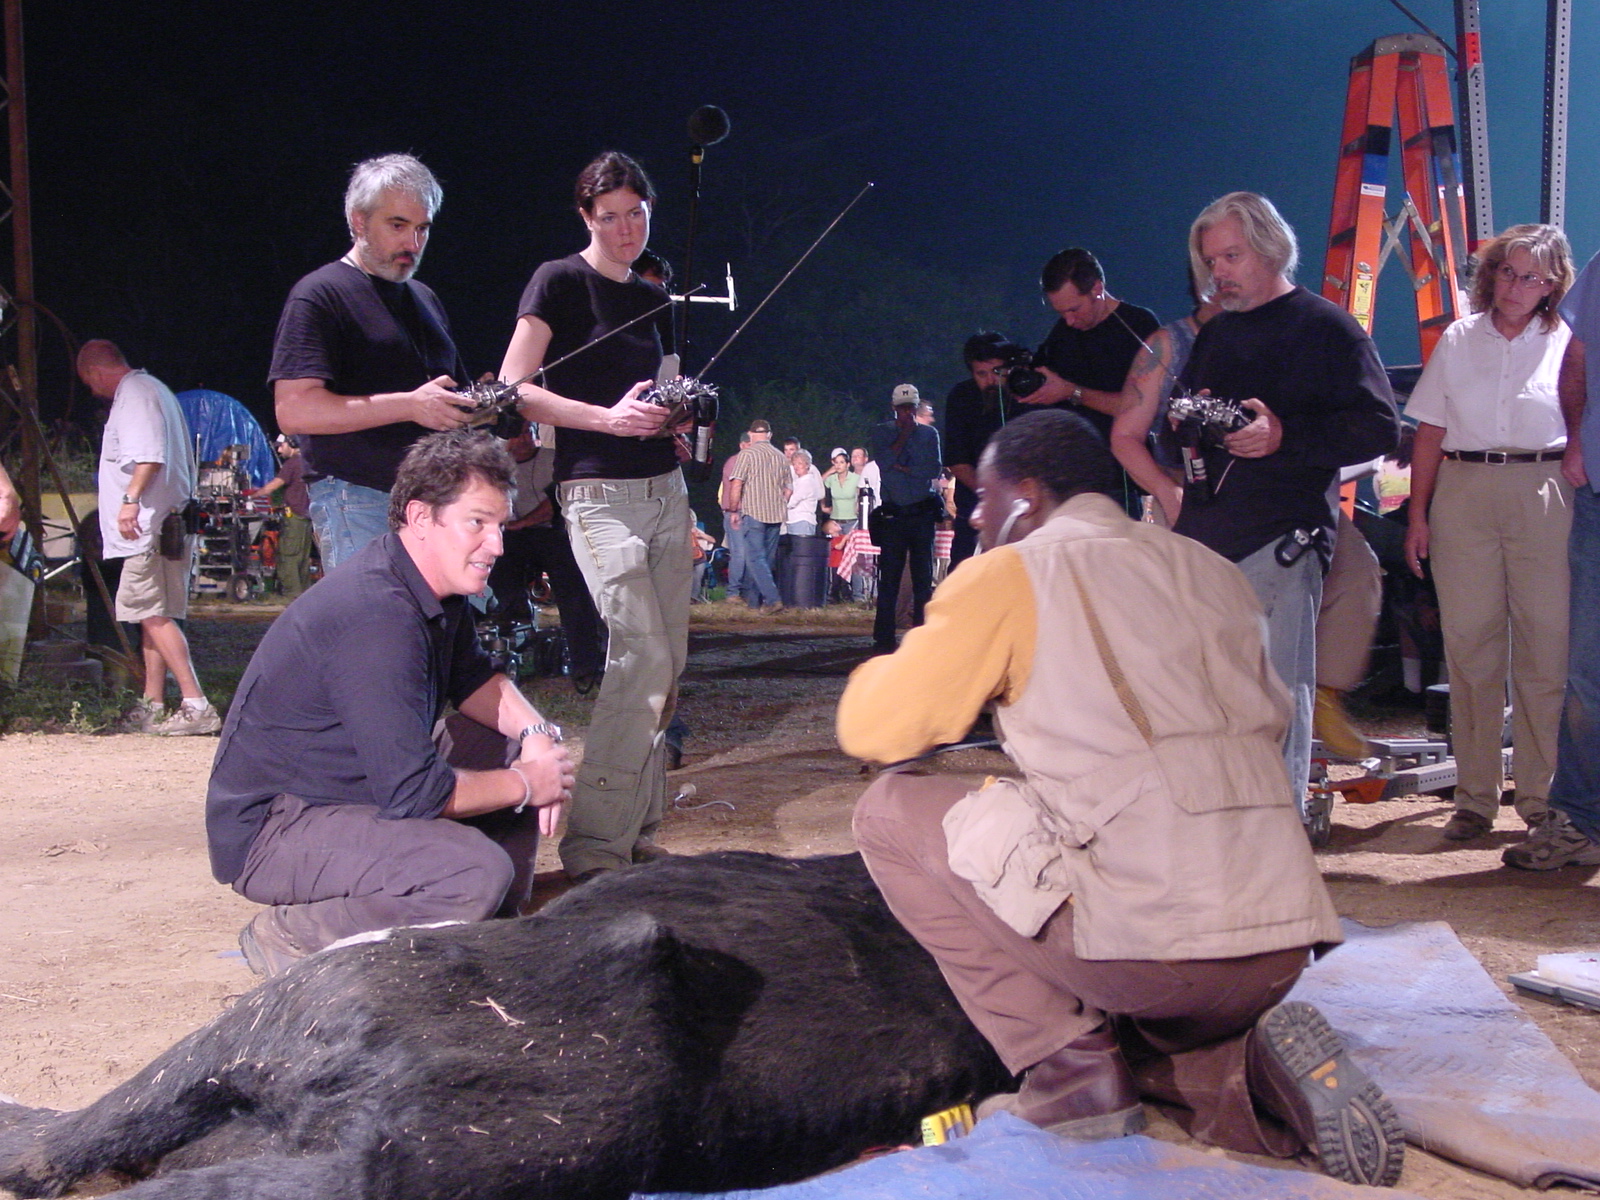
pixel 334 799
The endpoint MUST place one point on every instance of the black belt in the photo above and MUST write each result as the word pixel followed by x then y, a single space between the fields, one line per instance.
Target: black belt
pixel 1502 456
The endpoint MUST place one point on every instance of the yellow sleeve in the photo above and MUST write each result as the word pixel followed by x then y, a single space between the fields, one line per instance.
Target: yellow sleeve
pixel 975 646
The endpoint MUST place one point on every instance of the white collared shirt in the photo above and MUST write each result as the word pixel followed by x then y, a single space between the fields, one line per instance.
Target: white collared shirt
pixel 1491 393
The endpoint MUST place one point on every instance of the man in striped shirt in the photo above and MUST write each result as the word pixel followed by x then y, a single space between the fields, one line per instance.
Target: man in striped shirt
pixel 757 502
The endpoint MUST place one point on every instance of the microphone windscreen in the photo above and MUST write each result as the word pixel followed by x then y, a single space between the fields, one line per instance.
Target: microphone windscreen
pixel 708 125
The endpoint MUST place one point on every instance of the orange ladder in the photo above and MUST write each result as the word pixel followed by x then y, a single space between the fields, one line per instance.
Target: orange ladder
pixel 1404 74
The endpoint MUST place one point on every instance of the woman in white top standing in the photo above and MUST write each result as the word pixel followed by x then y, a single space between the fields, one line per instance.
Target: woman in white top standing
pixel 1491 512
pixel 805 494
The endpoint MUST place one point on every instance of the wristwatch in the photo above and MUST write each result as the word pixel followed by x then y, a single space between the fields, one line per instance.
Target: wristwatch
pixel 1077 394
pixel 127 499
pixel 553 732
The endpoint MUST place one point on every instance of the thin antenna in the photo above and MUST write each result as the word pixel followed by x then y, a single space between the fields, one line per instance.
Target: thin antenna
pixel 707 368
pixel 540 370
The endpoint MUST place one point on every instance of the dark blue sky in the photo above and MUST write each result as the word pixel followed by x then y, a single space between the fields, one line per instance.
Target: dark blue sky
pixel 189 156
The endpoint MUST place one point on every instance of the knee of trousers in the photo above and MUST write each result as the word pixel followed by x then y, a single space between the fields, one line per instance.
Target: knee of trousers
pixel 478 875
pixel 904 814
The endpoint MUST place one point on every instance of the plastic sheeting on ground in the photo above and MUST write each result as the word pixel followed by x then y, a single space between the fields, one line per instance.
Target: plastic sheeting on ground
pixel 220 421
pixel 1473 1078
pixel 1006 1156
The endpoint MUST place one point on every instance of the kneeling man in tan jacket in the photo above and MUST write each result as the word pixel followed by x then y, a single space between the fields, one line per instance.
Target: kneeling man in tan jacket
pixel 1125 919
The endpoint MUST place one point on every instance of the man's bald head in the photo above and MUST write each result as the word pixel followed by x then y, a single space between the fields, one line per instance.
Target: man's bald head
pixel 100 353
pixel 101 366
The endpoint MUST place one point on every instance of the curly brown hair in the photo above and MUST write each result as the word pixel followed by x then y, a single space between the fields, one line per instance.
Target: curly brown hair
pixel 440 466
pixel 1547 246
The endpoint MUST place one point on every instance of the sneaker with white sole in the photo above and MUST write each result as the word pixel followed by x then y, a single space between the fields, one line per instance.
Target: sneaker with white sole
pixel 146 715
pixel 1555 842
pixel 187 722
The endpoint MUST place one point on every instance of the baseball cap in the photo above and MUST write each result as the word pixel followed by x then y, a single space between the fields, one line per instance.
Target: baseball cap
pixel 906 393
pixel 838 450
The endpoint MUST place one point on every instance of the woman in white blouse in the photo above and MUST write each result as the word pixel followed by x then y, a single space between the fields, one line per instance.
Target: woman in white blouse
pixel 805 494
pixel 1490 511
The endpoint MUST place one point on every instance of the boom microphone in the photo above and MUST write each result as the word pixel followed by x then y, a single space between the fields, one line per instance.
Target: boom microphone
pixel 708 125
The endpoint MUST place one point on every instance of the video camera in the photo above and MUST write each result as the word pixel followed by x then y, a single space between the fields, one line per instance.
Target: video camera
pixel 1206 420
pixel 1020 369
pixel 492 402
pixel 1202 422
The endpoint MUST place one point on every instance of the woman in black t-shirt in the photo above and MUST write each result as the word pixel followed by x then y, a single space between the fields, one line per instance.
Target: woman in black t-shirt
pixel 624 500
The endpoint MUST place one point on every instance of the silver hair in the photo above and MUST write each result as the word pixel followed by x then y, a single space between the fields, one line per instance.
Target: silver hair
pixel 1265 229
pixel 805 454
pixel 389 172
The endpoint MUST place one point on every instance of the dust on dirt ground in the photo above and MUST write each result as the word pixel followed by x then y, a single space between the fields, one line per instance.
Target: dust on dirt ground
pixel 117 941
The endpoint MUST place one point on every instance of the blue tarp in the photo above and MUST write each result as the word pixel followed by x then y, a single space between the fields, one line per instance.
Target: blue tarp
pixel 220 421
pixel 1007 1157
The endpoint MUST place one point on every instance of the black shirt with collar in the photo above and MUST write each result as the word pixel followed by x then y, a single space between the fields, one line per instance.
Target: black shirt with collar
pixel 339 702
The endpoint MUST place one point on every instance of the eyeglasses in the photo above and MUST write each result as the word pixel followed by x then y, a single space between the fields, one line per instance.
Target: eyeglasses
pixel 1509 275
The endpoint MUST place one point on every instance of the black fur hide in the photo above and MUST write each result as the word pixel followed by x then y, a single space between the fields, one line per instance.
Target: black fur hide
pixel 699 1024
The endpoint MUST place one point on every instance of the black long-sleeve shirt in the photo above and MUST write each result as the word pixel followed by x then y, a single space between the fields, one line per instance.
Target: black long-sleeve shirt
pixel 1309 362
pixel 339 702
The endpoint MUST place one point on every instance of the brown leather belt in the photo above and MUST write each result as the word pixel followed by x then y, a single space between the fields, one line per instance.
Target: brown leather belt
pixel 1504 456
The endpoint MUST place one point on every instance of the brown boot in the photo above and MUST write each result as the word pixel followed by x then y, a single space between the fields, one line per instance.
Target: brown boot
pixel 1299 1071
pixel 1082 1092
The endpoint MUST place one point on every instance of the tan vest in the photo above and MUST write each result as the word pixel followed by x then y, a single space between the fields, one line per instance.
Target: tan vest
pixel 1160 807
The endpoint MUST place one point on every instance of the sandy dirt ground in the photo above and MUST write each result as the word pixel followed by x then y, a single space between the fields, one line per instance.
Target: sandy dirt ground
pixel 116 940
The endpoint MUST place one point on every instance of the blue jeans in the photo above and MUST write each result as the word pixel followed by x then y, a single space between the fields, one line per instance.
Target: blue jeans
pixel 735 543
pixel 760 540
pixel 1290 597
pixel 1575 790
pixel 346 516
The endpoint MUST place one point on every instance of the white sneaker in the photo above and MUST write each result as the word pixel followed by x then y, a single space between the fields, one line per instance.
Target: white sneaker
pixel 146 715
pixel 187 722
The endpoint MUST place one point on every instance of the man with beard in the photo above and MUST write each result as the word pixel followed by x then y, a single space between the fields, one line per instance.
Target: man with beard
pixel 363 358
pixel 974 411
pixel 1311 376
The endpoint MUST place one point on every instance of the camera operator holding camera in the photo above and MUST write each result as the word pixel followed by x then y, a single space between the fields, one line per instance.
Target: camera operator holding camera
pixel 624 500
pixel 974 411
pixel 1311 377
pixel 1084 359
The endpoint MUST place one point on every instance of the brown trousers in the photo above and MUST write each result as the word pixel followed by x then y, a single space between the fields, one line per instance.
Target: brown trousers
pixel 336 870
pixel 1183 1026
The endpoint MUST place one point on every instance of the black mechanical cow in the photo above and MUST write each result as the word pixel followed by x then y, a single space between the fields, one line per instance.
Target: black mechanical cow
pixel 698 1024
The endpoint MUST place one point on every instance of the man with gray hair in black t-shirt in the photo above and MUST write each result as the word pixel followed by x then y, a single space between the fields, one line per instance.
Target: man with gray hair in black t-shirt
pixel 363 361
pixel 1309 375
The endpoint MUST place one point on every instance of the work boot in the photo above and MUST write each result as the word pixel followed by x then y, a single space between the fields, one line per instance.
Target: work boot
pixel 267 949
pixel 1298 1069
pixel 1331 724
pixel 1083 1092
pixel 1465 826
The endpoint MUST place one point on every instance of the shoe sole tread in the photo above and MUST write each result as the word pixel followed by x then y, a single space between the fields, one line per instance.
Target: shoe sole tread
pixel 1357 1133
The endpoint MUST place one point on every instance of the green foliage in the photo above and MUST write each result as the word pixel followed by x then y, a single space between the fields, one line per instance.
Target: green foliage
pixel 45 704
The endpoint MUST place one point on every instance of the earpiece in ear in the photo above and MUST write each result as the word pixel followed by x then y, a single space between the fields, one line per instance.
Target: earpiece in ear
pixel 1018 507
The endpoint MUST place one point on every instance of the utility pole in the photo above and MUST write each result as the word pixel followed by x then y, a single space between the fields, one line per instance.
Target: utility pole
pixel 1557 74
pixel 16 305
